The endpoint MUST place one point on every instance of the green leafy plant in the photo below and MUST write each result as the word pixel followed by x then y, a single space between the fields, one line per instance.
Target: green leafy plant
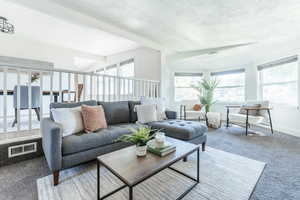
pixel 35 77
pixel 206 90
pixel 140 137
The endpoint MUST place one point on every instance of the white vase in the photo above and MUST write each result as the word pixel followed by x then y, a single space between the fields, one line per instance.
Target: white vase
pixel 141 150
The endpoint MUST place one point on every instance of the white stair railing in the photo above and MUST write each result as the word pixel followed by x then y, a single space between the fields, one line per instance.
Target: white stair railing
pixel 55 83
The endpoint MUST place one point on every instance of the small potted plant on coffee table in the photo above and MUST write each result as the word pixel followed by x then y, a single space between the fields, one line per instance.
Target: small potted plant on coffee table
pixel 139 137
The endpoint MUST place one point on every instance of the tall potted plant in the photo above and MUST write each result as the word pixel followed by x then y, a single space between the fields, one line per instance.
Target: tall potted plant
pixel 206 90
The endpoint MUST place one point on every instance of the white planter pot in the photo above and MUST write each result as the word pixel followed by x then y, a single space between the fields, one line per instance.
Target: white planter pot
pixel 141 150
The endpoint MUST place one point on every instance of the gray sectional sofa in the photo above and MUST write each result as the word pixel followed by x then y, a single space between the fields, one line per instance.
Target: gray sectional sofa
pixel 64 152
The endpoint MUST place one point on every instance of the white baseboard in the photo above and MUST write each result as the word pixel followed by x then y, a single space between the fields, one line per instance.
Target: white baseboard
pixel 283 130
pixel 288 131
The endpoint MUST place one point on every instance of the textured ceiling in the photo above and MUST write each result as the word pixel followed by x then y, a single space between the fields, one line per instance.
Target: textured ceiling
pixel 56 31
pixel 197 24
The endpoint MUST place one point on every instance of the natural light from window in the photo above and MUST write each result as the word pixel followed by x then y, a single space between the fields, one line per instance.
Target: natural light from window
pixel 123 69
pixel 278 84
pixel 127 70
pixel 231 86
pixel 183 89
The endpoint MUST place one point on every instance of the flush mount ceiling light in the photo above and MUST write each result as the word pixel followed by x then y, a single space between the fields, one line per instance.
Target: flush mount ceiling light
pixel 6 27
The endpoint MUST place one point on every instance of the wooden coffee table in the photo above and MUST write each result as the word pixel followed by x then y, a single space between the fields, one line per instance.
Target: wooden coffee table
pixel 132 170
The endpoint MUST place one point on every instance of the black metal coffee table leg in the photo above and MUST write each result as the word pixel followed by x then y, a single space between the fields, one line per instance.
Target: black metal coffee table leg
pixel 197 180
pixel 198 166
pixel 130 193
pixel 98 180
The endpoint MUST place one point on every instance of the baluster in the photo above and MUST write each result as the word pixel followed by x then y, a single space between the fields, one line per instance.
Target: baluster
pixel 60 87
pixel 91 87
pixel 18 100
pixel 51 87
pixel 5 100
pixel 103 88
pixel 108 88
pixel 69 87
pixel 84 88
pixel 41 98
pixel 29 101
pixel 98 88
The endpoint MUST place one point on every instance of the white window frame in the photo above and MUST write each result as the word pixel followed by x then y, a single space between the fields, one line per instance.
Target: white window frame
pixel 190 74
pixel 118 66
pixel 233 71
pixel 121 64
pixel 276 63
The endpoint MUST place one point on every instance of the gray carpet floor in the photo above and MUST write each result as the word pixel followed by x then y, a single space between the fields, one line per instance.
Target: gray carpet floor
pixel 280 180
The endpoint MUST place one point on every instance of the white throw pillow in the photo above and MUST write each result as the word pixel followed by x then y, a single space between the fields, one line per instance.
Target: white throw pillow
pixel 69 118
pixel 146 113
pixel 160 106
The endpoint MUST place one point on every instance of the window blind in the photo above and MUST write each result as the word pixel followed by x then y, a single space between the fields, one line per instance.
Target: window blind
pixel 235 71
pixel 188 74
pixel 275 63
pixel 125 62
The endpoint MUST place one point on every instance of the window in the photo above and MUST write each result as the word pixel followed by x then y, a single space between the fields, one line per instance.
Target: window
pixel 125 69
pixel 183 89
pixel 279 80
pixel 231 86
pixel 111 70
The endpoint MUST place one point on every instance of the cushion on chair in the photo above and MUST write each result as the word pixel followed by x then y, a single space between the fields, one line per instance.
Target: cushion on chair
pixel 197 107
pixel 241 118
pixel 192 114
pixel 180 129
pixel 250 112
pixel 82 142
pixel 264 104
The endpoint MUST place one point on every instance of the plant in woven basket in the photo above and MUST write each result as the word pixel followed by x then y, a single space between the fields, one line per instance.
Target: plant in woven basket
pixel 206 90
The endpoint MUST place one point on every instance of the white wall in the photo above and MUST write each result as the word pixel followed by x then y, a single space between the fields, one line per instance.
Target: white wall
pixel 285 119
pixel 147 62
pixel 21 47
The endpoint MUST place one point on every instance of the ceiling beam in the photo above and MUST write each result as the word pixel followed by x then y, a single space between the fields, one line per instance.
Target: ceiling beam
pixel 193 53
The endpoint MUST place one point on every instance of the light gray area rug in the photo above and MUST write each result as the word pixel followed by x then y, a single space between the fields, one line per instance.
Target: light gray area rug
pixel 223 176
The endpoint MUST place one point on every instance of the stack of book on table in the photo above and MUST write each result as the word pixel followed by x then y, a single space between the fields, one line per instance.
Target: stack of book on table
pixel 161 151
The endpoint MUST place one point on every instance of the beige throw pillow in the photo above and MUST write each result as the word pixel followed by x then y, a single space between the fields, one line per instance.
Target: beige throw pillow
pixel 251 112
pixel 93 118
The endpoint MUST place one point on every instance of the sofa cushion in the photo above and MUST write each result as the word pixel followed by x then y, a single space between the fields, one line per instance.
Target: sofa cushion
pixel 116 112
pixel 132 113
pixel 71 105
pixel 82 142
pixel 180 129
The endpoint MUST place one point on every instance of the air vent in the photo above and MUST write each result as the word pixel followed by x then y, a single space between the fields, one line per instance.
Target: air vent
pixel 22 149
